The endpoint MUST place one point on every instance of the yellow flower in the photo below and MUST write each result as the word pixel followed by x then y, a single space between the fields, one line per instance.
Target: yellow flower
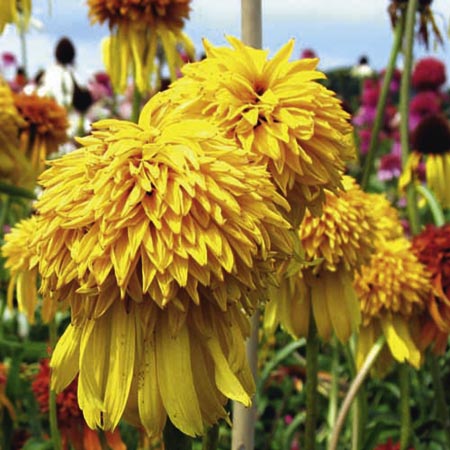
pixel 12 10
pixel 431 142
pixel 392 290
pixel 161 235
pixel 14 167
pixel 45 127
pixel 335 245
pixel 278 111
pixel 137 28
pixel 21 252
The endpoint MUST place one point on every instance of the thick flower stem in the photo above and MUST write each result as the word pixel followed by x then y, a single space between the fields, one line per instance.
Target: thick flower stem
pixel 244 419
pixel 405 416
pixel 334 388
pixel 405 87
pixel 312 353
pixel 379 116
pixel 53 413
pixel 439 395
pixel 353 391
pixel 174 439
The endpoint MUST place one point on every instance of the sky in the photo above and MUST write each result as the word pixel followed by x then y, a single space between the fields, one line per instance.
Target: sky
pixel 339 31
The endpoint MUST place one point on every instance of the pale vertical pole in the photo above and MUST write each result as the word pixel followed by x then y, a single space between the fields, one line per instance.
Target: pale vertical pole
pixel 244 419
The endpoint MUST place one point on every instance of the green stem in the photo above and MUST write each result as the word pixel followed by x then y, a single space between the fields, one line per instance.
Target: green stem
pixel 379 116
pixel 433 204
pixel 405 88
pixel 174 439
pixel 211 438
pixel 53 413
pixel 334 388
pixel 439 395
pixel 353 391
pixel 16 191
pixel 136 107
pixel 312 353
pixel 405 416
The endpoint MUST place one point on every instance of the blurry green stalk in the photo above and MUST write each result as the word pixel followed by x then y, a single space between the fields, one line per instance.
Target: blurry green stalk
pixel 53 413
pixel 312 353
pixel 136 105
pixel 381 105
pixel 405 88
pixel 411 206
pixel 353 391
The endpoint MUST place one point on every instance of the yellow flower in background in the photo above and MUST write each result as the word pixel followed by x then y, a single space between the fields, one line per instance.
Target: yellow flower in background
pixel 21 260
pixel 335 245
pixel 45 127
pixel 14 167
pixel 430 141
pixel 137 29
pixel 392 290
pixel 277 110
pixel 12 11
pixel 160 234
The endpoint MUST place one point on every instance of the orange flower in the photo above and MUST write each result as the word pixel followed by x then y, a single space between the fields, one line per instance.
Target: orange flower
pixel 45 128
pixel 74 431
pixel 432 247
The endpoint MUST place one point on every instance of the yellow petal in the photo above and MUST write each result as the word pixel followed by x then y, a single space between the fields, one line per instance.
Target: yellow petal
pixel 176 383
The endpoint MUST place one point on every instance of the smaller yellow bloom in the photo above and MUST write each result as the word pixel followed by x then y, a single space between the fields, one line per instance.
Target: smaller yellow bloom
pixel 21 261
pixel 335 245
pixel 392 290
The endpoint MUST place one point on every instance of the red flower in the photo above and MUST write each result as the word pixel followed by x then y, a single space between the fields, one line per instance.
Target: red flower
pixel 425 102
pixel 73 428
pixel 389 445
pixel 432 247
pixel 428 73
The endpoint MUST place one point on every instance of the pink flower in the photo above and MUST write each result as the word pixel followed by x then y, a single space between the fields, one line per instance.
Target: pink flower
pixel 428 74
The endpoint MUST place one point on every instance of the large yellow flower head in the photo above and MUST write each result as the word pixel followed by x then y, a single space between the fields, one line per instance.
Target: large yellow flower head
pixel 157 233
pixel 45 127
pixel 14 167
pixel 392 290
pixel 335 244
pixel 278 111
pixel 138 28
pixel 14 11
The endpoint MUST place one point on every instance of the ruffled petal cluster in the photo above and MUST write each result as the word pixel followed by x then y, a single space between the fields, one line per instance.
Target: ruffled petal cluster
pixel 432 247
pixel 392 290
pixel 335 245
pixel 137 29
pixel 161 236
pixel 278 111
